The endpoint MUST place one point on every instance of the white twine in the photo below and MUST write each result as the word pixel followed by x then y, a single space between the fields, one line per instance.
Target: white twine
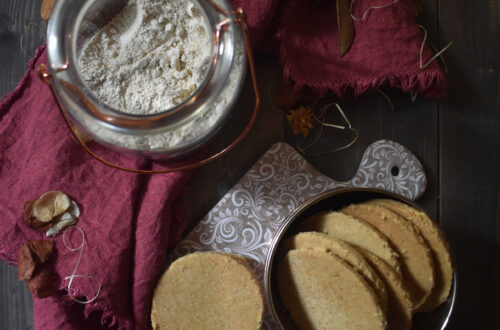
pixel 370 9
pixel 74 275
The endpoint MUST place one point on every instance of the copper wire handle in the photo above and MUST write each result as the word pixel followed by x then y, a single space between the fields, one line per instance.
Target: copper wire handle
pixel 240 19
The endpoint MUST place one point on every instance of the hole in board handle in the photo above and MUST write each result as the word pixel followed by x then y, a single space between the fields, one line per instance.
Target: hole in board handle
pixel 395 171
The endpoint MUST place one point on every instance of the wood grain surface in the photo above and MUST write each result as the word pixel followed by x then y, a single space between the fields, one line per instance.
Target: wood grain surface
pixel 21 32
pixel 457 141
pixel 469 145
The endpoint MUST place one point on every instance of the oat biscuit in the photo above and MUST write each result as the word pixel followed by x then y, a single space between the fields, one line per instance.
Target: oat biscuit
pixel 439 248
pixel 399 312
pixel 353 231
pixel 416 259
pixel 322 292
pixel 208 290
pixel 344 251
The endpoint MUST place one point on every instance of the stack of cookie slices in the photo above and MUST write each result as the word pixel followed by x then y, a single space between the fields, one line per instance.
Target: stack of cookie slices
pixel 368 266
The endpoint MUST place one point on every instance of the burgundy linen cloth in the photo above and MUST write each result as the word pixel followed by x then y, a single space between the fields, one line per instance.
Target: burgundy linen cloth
pixel 385 51
pixel 129 219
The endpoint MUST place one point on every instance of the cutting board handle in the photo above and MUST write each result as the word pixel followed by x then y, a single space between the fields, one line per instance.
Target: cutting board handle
pixel 389 166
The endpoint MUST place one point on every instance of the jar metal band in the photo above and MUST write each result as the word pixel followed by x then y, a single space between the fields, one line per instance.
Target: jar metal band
pixel 240 19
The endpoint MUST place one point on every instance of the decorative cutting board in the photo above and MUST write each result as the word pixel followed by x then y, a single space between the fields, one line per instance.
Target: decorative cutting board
pixel 245 220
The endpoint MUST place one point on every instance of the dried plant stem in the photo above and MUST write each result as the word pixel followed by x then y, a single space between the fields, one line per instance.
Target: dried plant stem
pixel 438 54
pixel 324 124
pixel 387 98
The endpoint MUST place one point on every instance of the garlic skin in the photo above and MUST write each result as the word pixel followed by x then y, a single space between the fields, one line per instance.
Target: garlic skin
pixel 74 210
pixel 50 205
pixel 54 230
pixel 66 219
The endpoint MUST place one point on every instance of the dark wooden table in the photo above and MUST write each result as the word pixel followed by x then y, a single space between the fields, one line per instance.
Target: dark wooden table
pixel 458 142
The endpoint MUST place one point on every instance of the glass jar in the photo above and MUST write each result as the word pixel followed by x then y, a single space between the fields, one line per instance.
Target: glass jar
pixel 170 133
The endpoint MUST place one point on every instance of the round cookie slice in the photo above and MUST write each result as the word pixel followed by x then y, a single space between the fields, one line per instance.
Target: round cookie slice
pixel 345 252
pixel 322 292
pixel 416 259
pixel 439 248
pixel 355 232
pixel 208 290
pixel 400 313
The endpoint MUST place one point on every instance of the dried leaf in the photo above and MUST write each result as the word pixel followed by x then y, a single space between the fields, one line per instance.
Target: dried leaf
pixel 25 263
pixel 345 26
pixel 46 8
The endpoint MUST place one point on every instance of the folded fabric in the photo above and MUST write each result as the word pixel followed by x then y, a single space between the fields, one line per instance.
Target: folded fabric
pixel 385 50
pixel 129 219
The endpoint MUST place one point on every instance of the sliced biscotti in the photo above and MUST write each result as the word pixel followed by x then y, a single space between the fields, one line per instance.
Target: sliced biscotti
pixel 353 231
pixel 323 292
pixel 345 252
pixel 416 259
pixel 208 290
pixel 439 248
pixel 399 313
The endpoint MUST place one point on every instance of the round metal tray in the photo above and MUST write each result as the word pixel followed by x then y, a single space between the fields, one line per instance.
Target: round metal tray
pixel 334 200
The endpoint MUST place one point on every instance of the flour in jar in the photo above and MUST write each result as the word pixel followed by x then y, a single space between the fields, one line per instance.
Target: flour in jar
pixel 150 57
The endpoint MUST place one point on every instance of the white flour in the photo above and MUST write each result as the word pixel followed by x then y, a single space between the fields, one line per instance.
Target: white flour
pixel 149 58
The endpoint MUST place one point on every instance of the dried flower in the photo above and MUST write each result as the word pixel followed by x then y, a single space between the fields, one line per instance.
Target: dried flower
pixel 301 120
